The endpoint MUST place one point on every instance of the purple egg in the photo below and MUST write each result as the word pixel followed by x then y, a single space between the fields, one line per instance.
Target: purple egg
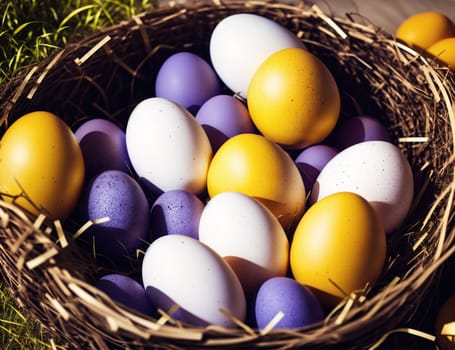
pixel 312 160
pixel 222 117
pixel 359 129
pixel 161 300
pixel 187 79
pixel 127 291
pixel 103 147
pixel 119 197
pixel 297 302
pixel 176 212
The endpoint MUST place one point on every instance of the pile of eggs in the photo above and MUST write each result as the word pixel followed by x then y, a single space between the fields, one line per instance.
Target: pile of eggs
pixel 265 201
pixel 439 42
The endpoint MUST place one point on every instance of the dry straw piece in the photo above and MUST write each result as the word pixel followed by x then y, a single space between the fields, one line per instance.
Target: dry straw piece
pixel 108 73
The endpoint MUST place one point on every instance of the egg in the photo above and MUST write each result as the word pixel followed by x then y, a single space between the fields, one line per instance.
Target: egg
pixel 376 170
pixel 247 235
pixel 358 129
pixel 180 270
pixel 167 146
pixel 103 147
pixel 176 211
pixel 445 324
pixel 293 99
pixel 115 195
pixel 255 166
pixel 187 79
pixel 312 160
pixel 241 42
pixel 444 51
pixel 222 117
pixel 283 294
pixel 338 245
pixel 127 291
pixel 415 30
pixel 41 165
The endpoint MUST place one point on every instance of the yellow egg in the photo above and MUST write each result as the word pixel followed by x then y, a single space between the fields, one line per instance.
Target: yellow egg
pixel 423 29
pixel 338 243
pixel 444 51
pixel 255 166
pixel 41 165
pixel 445 324
pixel 293 98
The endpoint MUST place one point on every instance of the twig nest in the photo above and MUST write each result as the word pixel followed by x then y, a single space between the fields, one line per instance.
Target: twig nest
pixel 107 74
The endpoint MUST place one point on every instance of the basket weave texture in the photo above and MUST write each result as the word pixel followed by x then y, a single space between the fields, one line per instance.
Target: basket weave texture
pixel 108 73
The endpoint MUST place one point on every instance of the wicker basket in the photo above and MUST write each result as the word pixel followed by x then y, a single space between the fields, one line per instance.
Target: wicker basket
pixel 108 73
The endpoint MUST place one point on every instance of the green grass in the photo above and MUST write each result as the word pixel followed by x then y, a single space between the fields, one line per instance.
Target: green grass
pixel 19 332
pixel 29 31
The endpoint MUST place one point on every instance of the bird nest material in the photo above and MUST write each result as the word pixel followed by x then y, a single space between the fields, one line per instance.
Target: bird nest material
pixel 108 73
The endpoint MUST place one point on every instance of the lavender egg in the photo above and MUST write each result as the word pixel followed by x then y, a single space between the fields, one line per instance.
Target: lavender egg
pixel 117 196
pixel 359 129
pixel 222 117
pixel 297 302
pixel 312 160
pixel 127 291
pixel 187 79
pixel 176 212
pixel 103 147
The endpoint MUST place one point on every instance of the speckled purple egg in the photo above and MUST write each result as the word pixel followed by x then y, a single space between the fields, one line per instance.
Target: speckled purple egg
pixel 311 161
pixel 127 291
pixel 298 303
pixel 103 146
pixel 187 79
pixel 176 212
pixel 358 129
pixel 119 197
pixel 222 117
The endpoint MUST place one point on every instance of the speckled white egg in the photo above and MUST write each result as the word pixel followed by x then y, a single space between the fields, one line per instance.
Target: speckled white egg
pixel 241 42
pixel 247 235
pixel 180 270
pixel 376 170
pixel 167 146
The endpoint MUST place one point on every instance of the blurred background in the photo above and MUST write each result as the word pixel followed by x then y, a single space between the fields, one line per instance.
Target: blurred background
pixel 387 14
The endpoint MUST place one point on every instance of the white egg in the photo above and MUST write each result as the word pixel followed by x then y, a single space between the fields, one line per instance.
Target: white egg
pixel 178 269
pixel 241 42
pixel 376 170
pixel 167 146
pixel 247 235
